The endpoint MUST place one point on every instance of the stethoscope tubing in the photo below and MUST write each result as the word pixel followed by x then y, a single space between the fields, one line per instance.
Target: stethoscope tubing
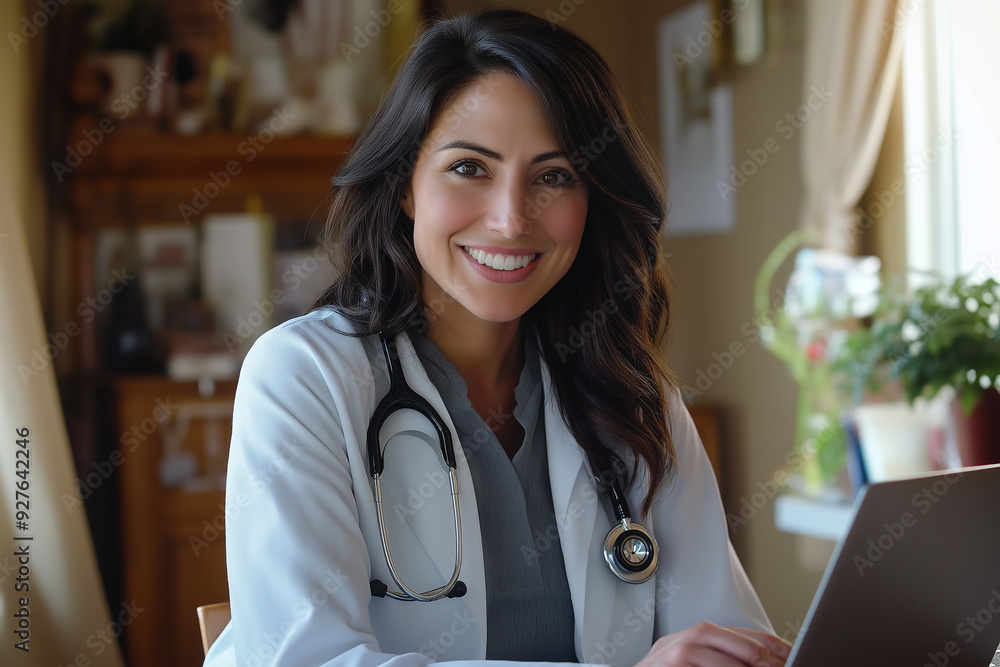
pixel 408 593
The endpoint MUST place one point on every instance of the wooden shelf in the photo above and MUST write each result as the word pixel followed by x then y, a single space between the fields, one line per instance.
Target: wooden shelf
pixel 148 178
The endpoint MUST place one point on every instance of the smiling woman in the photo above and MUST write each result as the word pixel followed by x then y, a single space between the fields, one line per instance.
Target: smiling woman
pixel 458 470
pixel 468 202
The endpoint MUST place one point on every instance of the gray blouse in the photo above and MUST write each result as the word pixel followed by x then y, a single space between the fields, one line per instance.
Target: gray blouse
pixel 529 610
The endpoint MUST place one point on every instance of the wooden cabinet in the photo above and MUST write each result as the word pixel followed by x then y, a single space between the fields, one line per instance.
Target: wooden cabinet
pixel 173 540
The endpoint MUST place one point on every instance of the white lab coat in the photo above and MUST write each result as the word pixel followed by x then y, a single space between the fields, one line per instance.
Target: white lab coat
pixel 303 542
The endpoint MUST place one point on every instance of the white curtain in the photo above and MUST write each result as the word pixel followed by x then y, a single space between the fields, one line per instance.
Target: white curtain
pixel 853 56
pixel 58 593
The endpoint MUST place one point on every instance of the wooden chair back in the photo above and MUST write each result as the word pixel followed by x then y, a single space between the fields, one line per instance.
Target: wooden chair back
pixel 212 619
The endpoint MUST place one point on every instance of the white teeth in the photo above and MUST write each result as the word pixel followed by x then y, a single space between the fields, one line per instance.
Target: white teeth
pixel 500 262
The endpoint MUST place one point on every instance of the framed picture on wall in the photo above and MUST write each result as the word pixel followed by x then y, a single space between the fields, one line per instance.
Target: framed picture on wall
pixel 696 123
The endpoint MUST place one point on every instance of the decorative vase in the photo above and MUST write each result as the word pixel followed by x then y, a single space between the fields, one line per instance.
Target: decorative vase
pixel 978 434
pixel 894 440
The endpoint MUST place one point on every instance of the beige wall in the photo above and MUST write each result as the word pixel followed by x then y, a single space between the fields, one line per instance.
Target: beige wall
pixel 713 278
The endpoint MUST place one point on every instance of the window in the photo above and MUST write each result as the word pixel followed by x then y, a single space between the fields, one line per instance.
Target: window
pixel 952 136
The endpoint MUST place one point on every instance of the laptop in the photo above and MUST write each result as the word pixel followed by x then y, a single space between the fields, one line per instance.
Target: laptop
pixel 915 582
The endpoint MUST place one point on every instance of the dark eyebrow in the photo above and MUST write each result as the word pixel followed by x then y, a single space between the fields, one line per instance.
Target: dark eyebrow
pixel 493 155
pixel 547 156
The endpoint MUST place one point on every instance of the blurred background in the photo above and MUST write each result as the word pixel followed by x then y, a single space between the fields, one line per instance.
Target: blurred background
pixel 166 168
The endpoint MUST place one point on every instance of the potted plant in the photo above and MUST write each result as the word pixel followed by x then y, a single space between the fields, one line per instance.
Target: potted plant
pixel 125 33
pixel 943 334
pixel 126 26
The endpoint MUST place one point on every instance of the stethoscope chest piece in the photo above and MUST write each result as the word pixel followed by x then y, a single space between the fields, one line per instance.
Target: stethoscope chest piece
pixel 631 552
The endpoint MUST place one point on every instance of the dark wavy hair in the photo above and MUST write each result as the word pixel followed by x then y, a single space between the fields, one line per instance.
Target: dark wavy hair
pixel 601 327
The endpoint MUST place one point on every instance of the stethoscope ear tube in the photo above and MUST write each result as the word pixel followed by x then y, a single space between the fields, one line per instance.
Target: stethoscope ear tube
pixel 401 397
pixel 381 590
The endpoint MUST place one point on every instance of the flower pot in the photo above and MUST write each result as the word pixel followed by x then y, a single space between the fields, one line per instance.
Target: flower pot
pixel 121 73
pixel 978 434
pixel 894 439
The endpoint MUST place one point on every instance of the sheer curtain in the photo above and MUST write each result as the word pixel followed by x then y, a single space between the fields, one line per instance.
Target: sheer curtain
pixel 853 52
pixel 952 138
pixel 58 593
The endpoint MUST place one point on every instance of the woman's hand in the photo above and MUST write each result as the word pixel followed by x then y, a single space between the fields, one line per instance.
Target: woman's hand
pixel 709 645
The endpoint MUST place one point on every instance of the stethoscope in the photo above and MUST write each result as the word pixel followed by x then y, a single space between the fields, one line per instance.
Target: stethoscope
pixel 629 549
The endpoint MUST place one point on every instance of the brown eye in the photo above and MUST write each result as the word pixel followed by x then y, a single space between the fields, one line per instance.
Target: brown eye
pixel 467 169
pixel 556 178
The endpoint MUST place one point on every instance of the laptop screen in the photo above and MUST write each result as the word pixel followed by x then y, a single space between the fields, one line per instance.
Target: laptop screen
pixel 916 579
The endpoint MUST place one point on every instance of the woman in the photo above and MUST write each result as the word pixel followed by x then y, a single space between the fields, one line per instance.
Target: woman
pixel 498 224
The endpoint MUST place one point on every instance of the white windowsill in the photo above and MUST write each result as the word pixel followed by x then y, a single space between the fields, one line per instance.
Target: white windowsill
pixel 806 516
